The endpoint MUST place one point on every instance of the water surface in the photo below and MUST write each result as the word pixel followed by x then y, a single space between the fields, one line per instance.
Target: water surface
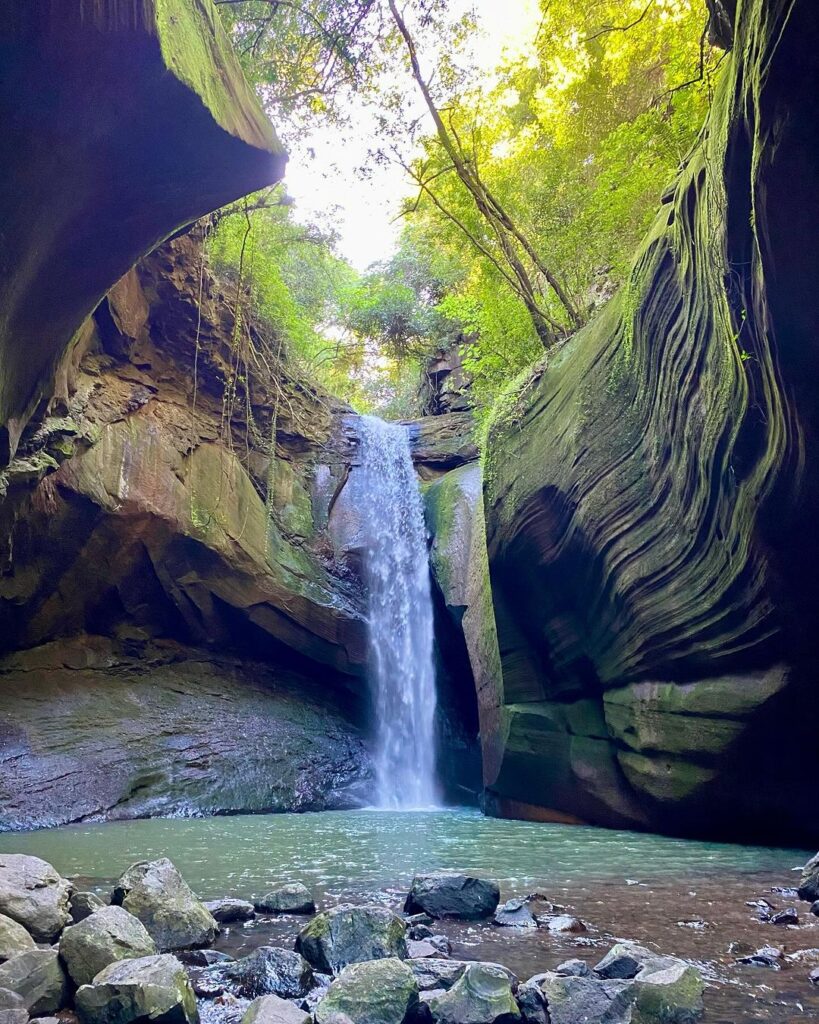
pixel 682 897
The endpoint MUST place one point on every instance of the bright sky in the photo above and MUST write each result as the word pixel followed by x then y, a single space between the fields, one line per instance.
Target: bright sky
pixel 325 185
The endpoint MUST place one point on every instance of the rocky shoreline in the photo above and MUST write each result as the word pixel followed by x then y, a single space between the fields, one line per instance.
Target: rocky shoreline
pixel 146 953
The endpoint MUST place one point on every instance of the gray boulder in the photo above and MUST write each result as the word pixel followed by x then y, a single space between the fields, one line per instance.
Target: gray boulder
pixel 595 1000
pixel 808 883
pixel 14 939
pixel 436 974
pixel 12 1008
pixel 273 1010
pixel 291 898
pixel 482 995
pixel 156 893
pixel 532 1004
pixel 349 935
pixel 34 895
pixel 452 895
pixel 227 911
pixel 107 935
pixel 153 988
pixel 573 969
pixel 375 992
pixel 515 914
pixel 81 904
pixel 38 977
pixel 267 971
pixel 627 959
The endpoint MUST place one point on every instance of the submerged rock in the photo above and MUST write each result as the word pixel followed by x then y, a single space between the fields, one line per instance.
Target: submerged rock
pixel 269 970
pixel 376 992
pixel 347 935
pixel 515 914
pixel 156 893
pixel 226 911
pixel 482 995
pixel 452 895
pixel 273 1010
pixel 203 957
pixel 768 956
pixel 292 898
pixel 34 894
pixel 786 916
pixel 14 939
pixel 107 935
pixel 38 977
pixel 154 988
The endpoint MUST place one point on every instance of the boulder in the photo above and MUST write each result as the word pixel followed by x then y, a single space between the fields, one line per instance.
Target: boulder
pixel 156 893
pixel 627 959
pixel 573 999
pixel 809 882
pixel 433 974
pixel 273 1010
pixel 291 898
pixel 515 914
pixel 482 995
pixel 347 935
pixel 14 939
pixel 38 976
pixel 573 969
pixel 532 1004
pixel 12 1008
pixel 452 895
pixel 34 895
pixel 418 949
pixel 107 935
pixel 668 994
pixel 813 977
pixel 269 970
pixel 375 992
pixel 226 911
pixel 814 909
pixel 81 904
pixel 152 988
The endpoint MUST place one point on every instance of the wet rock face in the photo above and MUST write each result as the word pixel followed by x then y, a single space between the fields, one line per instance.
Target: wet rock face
pixel 267 971
pixel 176 128
pixel 648 499
pixel 86 727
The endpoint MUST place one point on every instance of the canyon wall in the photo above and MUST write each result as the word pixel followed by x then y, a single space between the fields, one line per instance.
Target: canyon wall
pixel 651 494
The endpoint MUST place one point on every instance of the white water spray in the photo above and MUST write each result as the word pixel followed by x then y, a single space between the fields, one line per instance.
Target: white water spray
pixel 400 618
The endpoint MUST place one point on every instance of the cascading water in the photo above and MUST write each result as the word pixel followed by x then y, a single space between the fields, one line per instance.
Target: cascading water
pixel 400 618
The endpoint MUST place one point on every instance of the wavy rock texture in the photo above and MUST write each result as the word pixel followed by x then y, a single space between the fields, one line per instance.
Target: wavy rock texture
pixel 146 124
pixel 650 496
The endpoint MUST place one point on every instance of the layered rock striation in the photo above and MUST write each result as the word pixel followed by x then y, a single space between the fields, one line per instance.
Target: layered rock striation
pixel 650 495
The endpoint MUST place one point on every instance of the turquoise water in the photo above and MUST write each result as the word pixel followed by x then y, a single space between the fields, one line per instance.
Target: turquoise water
pixel 345 850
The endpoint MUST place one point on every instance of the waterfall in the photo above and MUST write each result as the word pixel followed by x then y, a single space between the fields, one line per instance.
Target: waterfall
pixel 400 617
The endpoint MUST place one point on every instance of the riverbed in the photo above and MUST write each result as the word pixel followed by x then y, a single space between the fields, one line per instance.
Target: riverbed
pixel 683 897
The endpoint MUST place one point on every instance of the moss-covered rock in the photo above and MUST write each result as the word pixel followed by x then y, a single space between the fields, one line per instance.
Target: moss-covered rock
pixel 149 988
pixel 377 992
pixel 650 497
pixel 348 935
pixel 109 934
